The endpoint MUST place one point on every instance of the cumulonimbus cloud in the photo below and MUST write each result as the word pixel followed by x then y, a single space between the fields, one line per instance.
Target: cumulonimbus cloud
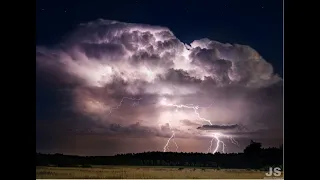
pixel 104 60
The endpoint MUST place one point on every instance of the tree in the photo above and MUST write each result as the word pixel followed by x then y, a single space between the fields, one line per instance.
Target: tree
pixel 253 148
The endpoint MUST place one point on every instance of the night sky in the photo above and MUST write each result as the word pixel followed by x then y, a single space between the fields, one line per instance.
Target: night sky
pixel 225 55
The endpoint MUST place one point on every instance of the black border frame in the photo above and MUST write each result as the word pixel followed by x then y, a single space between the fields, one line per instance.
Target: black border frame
pixel 19 97
pixel 18 80
pixel 299 138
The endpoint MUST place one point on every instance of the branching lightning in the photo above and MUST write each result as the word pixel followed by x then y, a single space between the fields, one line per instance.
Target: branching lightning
pixel 172 137
pixel 216 136
pixel 166 147
pixel 135 102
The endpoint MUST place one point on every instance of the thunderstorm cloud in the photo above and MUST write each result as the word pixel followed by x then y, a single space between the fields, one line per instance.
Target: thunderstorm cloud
pixel 102 61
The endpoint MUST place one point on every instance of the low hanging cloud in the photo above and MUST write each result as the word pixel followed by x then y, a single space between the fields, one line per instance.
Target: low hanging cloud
pixel 102 61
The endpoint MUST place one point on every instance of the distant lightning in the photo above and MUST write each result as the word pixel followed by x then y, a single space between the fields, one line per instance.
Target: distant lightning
pixel 166 147
pixel 172 137
pixel 188 106
pixel 136 102
pixel 216 136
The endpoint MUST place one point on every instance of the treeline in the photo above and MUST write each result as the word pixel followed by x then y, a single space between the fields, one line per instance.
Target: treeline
pixel 253 157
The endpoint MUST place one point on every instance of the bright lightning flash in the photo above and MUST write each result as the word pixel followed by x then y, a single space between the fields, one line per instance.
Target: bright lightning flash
pixel 216 136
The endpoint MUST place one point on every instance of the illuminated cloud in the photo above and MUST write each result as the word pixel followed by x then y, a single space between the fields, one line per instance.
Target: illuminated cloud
pixel 103 61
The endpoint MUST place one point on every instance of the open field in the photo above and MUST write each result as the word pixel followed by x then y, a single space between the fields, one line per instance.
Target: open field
pixel 135 172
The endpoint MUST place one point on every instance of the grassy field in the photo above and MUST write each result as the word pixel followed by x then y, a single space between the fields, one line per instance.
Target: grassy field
pixel 127 172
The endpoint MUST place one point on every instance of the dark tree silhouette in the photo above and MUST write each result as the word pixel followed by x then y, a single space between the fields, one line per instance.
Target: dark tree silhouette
pixel 254 148
pixel 253 157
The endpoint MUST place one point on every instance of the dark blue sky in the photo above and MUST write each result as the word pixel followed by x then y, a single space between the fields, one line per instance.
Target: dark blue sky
pixel 257 23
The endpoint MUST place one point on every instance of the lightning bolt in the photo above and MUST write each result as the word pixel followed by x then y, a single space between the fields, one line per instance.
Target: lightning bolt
pixel 188 106
pixel 216 136
pixel 166 147
pixel 136 102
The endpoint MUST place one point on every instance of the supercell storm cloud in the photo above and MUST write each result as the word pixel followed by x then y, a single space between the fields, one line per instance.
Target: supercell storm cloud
pixel 103 61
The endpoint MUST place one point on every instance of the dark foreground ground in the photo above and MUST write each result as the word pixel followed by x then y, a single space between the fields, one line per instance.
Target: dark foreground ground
pixel 140 172
pixel 253 163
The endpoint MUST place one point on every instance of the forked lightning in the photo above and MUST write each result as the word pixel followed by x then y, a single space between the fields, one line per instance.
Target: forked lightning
pixel 163 102
pixel 216 136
